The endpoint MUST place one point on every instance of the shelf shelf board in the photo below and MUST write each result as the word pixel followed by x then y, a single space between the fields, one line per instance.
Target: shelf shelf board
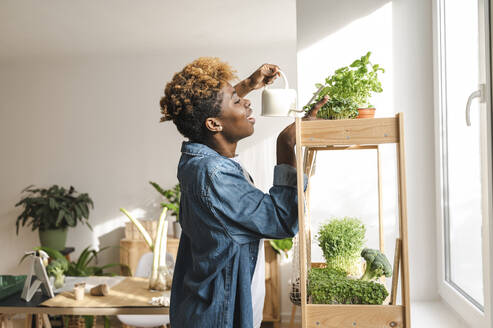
pixel 371 131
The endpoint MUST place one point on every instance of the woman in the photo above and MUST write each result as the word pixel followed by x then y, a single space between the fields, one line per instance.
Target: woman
pixel 223 216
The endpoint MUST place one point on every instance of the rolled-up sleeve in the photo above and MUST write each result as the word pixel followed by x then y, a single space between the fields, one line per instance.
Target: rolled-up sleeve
pixel 246 213
pixel 285 175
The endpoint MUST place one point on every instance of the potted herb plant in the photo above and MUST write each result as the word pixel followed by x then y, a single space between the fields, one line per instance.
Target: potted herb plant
pixel 172 203
pixel 349 90
pixel 51 211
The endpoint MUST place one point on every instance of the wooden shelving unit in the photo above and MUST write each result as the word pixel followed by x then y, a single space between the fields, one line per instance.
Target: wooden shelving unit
pixel 324 135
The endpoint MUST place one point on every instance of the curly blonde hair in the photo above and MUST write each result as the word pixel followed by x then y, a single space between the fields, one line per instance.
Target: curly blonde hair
pixel 193 95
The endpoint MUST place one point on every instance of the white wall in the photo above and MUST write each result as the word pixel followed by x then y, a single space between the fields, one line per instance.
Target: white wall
pixel 88 117
pixel 332 34
pixel 413 95
pixel 93 123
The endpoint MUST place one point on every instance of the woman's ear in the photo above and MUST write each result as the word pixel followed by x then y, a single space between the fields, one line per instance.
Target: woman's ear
pixel 213 124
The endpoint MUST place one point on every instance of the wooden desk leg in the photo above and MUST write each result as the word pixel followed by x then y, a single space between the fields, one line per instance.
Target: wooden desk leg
pixel 39 321
pixel 46 320
pixel 74 321
pixel 29 320
pixel 6 321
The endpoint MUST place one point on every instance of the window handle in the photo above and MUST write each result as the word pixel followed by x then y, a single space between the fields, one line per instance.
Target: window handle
pixel 476 94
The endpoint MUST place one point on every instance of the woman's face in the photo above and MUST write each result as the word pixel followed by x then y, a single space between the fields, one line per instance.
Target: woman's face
pixel 236 117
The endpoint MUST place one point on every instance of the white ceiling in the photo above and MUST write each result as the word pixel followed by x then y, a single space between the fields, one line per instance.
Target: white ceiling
pixel 81 27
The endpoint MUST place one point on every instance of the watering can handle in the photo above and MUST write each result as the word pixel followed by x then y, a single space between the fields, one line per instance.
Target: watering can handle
pixel 286 84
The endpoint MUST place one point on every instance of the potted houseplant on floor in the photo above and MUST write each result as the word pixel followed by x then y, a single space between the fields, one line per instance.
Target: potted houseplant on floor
pixel 172 203
pixel 51 211
pixel 349 90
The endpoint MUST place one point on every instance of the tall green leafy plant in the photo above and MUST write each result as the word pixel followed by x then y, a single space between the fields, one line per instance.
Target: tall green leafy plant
pixel 341 241
pixel 53 208
pixel 172 197
pixel 349 88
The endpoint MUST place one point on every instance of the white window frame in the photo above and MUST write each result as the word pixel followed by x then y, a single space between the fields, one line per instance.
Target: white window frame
pixel 451 295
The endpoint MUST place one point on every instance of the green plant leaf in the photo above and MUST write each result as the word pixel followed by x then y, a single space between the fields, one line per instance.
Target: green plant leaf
pixel 53 207
pixel 282 245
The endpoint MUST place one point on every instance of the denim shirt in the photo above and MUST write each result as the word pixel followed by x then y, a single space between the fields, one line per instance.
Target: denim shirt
pixel 223 217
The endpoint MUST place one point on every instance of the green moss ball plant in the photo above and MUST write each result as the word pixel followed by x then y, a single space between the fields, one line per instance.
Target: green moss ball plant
pixel 341 241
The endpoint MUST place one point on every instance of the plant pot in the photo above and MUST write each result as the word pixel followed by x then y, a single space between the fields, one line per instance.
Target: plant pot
pixel 366 113
pixel 54 239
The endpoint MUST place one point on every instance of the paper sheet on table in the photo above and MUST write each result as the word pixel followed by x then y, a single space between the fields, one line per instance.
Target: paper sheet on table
pixel 130 292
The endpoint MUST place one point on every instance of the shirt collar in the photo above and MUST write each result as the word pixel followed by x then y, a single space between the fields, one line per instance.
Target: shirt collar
pixel 195 148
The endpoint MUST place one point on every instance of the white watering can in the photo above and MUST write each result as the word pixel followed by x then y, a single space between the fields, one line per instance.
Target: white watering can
pixel 279 102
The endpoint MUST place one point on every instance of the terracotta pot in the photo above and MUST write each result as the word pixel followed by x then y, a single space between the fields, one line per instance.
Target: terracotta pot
pixel 366 113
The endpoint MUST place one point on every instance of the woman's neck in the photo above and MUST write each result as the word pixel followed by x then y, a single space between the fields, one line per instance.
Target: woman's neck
pixel 223 147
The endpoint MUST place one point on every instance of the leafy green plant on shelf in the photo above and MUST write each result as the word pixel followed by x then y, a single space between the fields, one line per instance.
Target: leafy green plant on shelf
pixel 333 286
pixel 172 197
pixel 349 88
pixel 341 241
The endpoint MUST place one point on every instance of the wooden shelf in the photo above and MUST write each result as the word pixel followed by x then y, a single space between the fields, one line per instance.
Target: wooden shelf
pixel 321 135
pixel 369 131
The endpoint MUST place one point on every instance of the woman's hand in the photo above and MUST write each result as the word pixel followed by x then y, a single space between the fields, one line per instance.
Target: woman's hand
pixel 287 138
pixel 265 74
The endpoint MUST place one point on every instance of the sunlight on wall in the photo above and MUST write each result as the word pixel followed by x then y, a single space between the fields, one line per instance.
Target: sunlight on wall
pixel 110 225
pixel 370 33
pixel 345 182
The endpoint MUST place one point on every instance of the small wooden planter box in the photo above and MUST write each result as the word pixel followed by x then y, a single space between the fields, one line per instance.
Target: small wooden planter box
pixel 132 250
pixel 321 135
pixel 132 233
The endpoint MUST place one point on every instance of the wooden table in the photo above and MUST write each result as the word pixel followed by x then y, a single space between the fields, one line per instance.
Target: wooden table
pixel 132 250
pixel 14 305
